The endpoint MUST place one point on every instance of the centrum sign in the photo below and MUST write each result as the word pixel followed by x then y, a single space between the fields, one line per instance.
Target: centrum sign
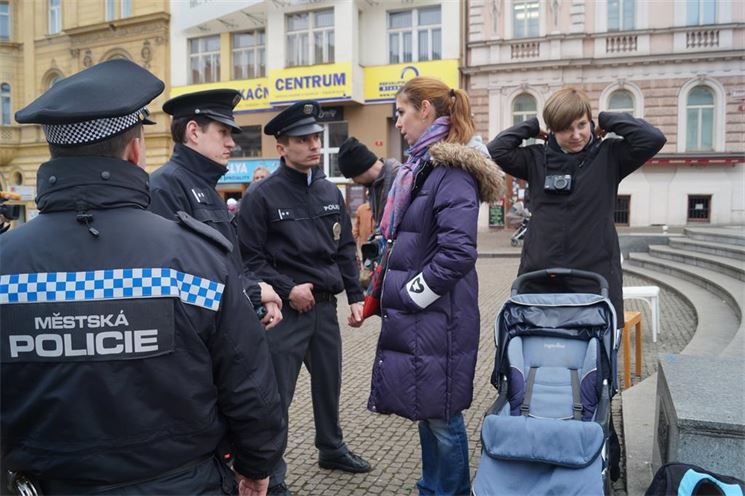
pixel 254 92
pixel 320 82
pixel 241 171
pixel 383 81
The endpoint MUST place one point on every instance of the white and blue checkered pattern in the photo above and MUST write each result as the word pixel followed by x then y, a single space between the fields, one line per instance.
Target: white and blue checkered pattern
pixel 110 284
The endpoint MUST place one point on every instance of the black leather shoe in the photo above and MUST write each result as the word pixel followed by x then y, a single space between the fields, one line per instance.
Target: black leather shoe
pixel 348 462
pixel 280 489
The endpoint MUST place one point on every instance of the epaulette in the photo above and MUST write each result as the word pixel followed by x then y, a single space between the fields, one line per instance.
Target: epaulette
pixel 204 230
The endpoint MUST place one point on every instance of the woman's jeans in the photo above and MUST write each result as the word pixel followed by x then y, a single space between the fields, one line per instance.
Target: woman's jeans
pixel 444 457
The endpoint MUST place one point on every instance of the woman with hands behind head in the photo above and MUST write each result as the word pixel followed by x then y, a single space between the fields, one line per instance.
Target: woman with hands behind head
pixel 574 181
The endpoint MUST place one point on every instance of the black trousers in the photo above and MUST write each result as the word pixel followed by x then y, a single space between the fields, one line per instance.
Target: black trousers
pixel 312 338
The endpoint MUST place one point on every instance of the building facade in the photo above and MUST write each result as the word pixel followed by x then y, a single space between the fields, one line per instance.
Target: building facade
pixel 679 65
pixel 42 41
pixel 351 55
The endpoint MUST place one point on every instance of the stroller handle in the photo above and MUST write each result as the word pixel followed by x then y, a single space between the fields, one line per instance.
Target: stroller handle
pixel 560 272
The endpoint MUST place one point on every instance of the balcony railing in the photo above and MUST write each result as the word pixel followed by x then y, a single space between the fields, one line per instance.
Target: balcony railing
pixel 525 50
pixel 703 38
pixel 621 44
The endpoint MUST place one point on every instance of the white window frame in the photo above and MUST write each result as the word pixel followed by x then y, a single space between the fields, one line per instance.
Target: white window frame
pixel 5 20
pixel 701 9
pixel 5 104
pixel 125 8
pixel 304 40
pixel 214 57
pixel 718 141
pixel 621 18
pixel 109 10
pixel 54 16
pixel 259 55
pixel 632 88
pixel 327 151
pixel 513 24
pixel 414 29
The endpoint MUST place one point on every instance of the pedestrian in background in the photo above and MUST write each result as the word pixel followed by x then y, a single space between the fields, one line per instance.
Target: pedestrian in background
pixel 259 174
pixel 202 129
pixel 295 233
pixel 426 354
pixel 129 351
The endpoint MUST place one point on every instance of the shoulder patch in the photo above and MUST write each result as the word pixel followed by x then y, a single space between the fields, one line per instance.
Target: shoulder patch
pixel 204 230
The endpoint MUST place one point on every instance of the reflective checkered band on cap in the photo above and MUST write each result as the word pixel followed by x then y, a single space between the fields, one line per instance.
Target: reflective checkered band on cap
pixel 110 284
pixel 80 133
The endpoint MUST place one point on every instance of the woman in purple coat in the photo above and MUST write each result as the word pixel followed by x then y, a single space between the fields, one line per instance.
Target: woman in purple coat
pixel 426 354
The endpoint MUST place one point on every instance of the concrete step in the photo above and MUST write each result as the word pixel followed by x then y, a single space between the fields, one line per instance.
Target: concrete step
pixel 718 249
pixel 728 289
pixel 717 324
pixel 728 235
pixel 723 265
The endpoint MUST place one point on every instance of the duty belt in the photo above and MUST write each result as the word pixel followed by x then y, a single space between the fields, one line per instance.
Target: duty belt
pixel 324 297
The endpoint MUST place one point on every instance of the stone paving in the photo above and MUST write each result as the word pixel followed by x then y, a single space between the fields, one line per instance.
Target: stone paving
pixel 391 443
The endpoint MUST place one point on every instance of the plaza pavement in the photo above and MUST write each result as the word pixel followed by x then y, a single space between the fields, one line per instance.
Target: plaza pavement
pixel 391 443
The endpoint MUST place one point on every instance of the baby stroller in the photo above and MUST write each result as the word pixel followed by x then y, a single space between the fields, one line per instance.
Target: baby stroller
pixel 555 370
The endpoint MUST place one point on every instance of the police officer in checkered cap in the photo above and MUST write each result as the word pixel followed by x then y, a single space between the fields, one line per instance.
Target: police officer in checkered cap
pixel 127 349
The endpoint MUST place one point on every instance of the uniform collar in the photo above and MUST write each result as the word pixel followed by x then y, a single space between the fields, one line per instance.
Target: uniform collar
pixel 81 183
pixel 300 177
pixel 207 169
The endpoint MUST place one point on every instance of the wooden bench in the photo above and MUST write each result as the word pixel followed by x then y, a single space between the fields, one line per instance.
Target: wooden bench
pixel 631 319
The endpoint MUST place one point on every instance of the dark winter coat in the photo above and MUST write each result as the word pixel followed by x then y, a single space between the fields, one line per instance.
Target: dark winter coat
pixel 424 365
pixel 576 230
pixel 110 408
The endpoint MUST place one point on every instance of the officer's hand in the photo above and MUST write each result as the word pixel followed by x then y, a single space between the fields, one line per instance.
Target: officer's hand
pixel 301 297
pixel 268 295
pixel 355 315
pixel 251 487
pixel 273 315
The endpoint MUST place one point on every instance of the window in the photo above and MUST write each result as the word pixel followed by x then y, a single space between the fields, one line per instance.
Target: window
pixel 334 134
pixel 525 18
pixel 699 208
pixel 249 55
pixel 310 38
pixel 247 143
pixel 5 104
pixel 55 17
pixel 110 9
pixel 4 21
pixel 415 35
pixel 523 108
pixel 700 119
pixel 620 15
pixel 621 215
pixel 621 101
pixel 126 8
pixel 204 57
pixel 701 12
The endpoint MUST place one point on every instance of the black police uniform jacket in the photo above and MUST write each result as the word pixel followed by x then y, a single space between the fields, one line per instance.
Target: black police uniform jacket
pixel 292 232
pixel 187 183
pixel 576 230
pixel 128 348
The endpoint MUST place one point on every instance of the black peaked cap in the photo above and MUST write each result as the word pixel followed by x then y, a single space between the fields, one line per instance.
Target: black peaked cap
pixel 215 104
pixel 299 119
pixel 111 89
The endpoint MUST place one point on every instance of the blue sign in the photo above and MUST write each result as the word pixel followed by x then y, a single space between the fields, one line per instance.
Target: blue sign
pixel 241 171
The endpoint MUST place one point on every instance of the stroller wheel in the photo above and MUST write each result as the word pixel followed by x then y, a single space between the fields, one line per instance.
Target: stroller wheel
pixel 514 242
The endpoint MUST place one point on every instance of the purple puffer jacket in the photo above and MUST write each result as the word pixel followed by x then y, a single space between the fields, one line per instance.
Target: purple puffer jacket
pixel 426 354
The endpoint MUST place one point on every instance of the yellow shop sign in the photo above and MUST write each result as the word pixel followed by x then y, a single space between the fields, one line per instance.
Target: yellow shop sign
pixel 383 81
pixel 319 82
pixel 254 92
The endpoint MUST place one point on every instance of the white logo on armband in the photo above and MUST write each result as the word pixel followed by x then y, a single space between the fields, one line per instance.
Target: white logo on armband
pixel 420 293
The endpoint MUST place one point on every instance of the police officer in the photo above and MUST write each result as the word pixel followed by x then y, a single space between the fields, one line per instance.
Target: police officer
pixel 202 129
pixel 295 233
pixel 127 349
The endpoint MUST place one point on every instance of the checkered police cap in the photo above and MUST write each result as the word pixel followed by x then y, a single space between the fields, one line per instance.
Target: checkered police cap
pixel 95 104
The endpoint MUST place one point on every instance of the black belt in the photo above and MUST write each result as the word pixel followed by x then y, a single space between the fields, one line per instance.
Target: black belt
pixel 324 297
